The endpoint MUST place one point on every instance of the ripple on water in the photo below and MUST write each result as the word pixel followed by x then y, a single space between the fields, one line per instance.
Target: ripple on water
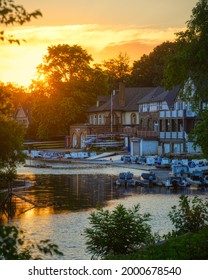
pixel 81 190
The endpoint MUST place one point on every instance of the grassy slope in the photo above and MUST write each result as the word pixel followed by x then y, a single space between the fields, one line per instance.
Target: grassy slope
pixel 192 246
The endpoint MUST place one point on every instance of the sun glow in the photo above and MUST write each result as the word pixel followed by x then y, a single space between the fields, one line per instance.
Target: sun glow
pixel 18 63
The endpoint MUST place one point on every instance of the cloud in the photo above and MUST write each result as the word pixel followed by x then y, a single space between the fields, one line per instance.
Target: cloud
pixel 101 41
pixel 93 35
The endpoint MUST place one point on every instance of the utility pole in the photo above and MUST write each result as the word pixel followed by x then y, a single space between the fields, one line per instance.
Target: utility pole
pixel 111 117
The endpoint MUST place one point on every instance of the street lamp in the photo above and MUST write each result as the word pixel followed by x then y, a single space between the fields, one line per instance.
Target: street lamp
pixel 111 117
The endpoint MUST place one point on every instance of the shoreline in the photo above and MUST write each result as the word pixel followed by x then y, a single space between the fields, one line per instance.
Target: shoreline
pixel 87 166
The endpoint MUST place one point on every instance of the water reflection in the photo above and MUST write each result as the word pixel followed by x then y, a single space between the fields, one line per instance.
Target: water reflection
pixel 68 199
pixel 59 193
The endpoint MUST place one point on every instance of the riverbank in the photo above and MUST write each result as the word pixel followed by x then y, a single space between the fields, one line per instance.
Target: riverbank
pixel 93 165
pixel 190 246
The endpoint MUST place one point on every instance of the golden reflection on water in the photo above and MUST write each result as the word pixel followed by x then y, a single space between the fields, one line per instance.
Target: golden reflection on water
pixel 74 194
pixel 44 211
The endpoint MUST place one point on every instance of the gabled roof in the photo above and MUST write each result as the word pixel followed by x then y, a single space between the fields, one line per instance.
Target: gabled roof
pixel 159 94
pixel 132 96
pixel 135 96
pixel 24 108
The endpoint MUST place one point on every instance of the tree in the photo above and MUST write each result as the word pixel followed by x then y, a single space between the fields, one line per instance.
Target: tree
pixel 190 216
pixel 11 14
pixel 66 85
pixel 199 134
pixel 188 66
pixel 5 104
pixel 148 70
pixel 118 232
pixel 64 63
pixel 117 69
pixel 13 245
pixel 11 143
pixel 11 135
pixel 56 120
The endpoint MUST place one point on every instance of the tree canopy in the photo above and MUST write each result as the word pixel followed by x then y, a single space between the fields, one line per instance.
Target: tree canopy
pixel 67 84
pixel 11 135
pixel 188 65
pixel 11 132
pixel 117 69
pixel 148 70
pixel 64 63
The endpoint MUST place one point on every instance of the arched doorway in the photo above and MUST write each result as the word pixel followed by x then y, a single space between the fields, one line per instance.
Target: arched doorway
pixel 82 139
pixel 74 140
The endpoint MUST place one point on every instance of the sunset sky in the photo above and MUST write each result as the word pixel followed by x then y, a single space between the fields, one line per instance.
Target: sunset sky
pixel 103 27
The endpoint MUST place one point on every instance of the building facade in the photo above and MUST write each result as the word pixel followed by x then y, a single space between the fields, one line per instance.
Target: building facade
pixel 113 115
pixel 147 114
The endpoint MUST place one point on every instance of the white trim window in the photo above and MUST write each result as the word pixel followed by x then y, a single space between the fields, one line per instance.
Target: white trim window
pixel 133 119
pixel 99 119
pixel 155 126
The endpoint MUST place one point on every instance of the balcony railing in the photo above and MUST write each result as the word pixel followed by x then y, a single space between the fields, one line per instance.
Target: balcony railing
pixel 172 135
pixel 177 114
pixel 171 114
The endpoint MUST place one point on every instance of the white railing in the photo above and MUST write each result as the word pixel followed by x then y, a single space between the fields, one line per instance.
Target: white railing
pixel 171 135
pixel 171 114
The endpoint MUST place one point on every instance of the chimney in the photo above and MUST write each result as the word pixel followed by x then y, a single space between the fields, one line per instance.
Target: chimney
pixel 121 94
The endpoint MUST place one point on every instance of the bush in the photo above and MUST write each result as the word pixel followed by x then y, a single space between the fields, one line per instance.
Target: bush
pixel 117 232
pixel 190 216
pixel 14 247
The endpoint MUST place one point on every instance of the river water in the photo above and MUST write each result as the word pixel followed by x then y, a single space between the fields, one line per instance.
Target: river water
pixel 69 193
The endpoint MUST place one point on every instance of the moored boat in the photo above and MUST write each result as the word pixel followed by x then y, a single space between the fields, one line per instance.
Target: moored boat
pixel 126 179
pixel 148 180
pixel 196 179
pixel 176 183
pixel 163 163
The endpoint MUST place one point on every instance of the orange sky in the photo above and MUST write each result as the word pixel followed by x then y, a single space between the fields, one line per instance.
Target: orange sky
pixel 105 28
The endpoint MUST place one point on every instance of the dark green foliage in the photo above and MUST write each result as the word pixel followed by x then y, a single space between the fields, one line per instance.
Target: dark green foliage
pixel 148 70
pixel 189 62
pixel 67 85
pixel 14 247
pixel 117 232
pixel 200 132
pixel 11 135
pixel 11 140
pixel 190 216
pixel 188 67
pixel 190 246
pixel 189 240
